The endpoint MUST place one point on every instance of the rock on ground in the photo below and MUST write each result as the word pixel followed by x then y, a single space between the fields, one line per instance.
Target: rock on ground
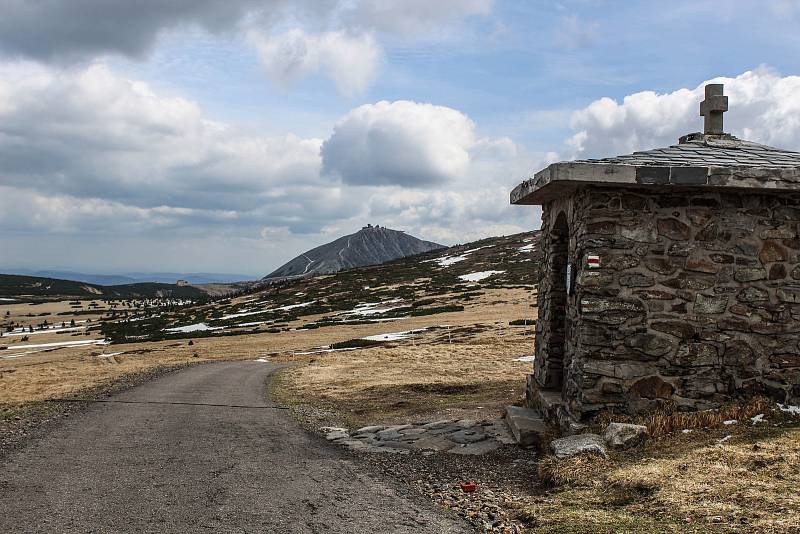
pixel 578 444
pixel 624 435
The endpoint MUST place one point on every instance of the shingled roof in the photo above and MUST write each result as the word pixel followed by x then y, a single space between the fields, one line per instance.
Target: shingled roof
pixel 695 151
pixel 698 161
pixel 710 159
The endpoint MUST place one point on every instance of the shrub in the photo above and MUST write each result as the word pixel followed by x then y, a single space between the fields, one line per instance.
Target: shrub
pixel 438 309
pixel 355 343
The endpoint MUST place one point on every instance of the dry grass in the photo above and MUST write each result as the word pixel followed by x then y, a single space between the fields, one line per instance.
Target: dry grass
pixel 576 471
pixel 467 370
pixel 667 420
pixel 411 381
pixel 681 483
pixel 61 371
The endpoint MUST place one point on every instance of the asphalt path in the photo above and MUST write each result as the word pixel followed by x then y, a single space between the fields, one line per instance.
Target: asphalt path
pixel 200 450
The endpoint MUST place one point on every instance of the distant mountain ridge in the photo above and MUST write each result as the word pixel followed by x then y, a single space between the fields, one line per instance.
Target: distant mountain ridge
pixel 133 277
pixel 372 245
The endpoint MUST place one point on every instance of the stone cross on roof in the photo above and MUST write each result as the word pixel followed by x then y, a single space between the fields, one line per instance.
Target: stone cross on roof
pixel 712 109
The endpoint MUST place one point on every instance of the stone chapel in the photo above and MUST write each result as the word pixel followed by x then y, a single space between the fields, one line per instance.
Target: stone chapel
pixel 671 274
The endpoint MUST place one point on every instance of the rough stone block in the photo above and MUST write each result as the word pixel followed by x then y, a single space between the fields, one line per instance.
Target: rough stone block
pixel 697 355
pixel 652 387
pixel 368 430
pixel 753 294
pixel 777 271
pixel 750 274
pixel 679 329
pixel 772 252
pixel 688 175
pixel 700 264
pixel 578 444
pixel 636 280
pixel 661 265
pixel 336 435
pixel 639 233
pixel 710 305
pixel 652 175
pixel 673 229
pixel 650 344
pixel 788 295
pixel 466 435
pixel 624 435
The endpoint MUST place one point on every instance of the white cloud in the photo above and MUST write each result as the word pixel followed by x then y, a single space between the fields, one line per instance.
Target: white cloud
pixel 350 60
pixel 763 107
pixel 399 143
pixel 88 133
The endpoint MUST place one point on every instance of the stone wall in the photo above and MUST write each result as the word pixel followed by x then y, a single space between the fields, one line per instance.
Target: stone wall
pixel 697 299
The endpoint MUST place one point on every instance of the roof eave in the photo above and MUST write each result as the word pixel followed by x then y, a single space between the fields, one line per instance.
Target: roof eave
pixel 560 179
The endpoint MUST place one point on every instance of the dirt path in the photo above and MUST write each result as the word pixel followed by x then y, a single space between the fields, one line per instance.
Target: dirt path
pixel 200 450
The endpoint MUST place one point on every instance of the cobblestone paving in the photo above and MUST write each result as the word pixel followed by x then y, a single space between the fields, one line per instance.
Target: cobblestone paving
pixel 462 436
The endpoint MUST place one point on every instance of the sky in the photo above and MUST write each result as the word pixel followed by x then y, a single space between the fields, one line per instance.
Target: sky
pixel 207 136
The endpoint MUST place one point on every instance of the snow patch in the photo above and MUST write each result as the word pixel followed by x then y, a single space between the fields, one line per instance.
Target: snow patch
pixel 393 336
pixel 757 419
pixel 293 306
pixel 243 313
pixel 527 248
pixel 81 343
pixel 730 422
pixel 446 261
pixel 477 277
pixel 255 323
pixel 197 327
pixel 371 308
pixel 788 408
pixel 525 358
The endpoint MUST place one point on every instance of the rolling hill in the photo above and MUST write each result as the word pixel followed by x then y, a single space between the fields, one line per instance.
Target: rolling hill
pixel 21 287
pixel 372 245
pixel 134 277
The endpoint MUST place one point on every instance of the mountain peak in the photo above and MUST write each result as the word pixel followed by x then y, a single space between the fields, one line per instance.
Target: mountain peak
pixel 371 245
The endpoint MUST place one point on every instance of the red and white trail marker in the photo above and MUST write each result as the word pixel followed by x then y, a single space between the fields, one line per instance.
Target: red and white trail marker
pixel 593 261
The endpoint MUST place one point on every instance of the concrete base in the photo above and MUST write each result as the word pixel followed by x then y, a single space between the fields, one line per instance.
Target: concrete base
pixel 527 426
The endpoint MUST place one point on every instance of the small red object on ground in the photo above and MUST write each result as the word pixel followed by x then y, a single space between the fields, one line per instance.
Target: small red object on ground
pixel 468 487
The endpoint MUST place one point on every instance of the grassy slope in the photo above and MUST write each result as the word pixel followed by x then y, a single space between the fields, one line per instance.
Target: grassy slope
pixel 420 287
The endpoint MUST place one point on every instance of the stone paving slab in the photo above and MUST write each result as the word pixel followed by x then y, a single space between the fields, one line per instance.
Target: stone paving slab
pixel 457 436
